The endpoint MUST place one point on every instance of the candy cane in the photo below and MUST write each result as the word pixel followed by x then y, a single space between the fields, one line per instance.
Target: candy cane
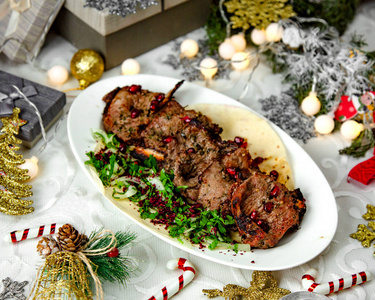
pixel 31 233
pixel 309 284
pixel 183 280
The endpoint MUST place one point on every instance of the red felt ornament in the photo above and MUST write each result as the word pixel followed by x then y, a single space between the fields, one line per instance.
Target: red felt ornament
pixel 364 172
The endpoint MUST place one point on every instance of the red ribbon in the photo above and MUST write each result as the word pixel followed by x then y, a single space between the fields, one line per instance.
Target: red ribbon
pixel 364 172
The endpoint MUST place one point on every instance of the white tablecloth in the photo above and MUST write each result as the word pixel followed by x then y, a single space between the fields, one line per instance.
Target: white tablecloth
pixel 63 194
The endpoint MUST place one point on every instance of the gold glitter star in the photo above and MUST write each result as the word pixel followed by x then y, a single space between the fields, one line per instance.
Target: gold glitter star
pixel 13 123
pixel 370 215
pixel 263 286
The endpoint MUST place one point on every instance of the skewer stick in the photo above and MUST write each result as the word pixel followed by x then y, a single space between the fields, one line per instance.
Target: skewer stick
pixel 309 284
pixel 180 282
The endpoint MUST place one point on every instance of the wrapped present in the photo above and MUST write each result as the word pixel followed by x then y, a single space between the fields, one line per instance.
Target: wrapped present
pixel 117 38
pixel 48 102
pixel 24 25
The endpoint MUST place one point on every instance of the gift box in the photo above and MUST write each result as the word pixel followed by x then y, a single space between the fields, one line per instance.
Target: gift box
pixel 117 38
pixel 49 103
pixel 24 25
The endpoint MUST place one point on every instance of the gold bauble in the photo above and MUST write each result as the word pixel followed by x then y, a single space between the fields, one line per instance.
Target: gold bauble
pixel 87 66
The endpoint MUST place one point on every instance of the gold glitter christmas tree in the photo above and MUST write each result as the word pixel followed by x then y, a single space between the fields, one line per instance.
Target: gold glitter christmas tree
pixel 11 187
pixel 257 13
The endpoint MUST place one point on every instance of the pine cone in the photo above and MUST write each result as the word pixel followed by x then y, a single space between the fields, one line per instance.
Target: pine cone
pixel 46 246
pixel 70 239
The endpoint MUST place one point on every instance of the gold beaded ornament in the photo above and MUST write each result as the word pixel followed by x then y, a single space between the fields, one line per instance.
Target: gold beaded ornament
pixel 11 176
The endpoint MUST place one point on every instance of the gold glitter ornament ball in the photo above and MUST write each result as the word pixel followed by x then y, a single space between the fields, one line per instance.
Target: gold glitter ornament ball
pixel 87 66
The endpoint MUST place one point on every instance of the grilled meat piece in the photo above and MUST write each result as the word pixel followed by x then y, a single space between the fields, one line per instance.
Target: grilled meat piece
pixel 216 181
pixel 265 209
pixel 130 109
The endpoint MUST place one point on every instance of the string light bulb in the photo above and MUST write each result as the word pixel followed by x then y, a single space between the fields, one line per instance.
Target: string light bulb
pixel 189 48
pixel 240 61
pixel 31 164
pixel 324 124
pixel 274 32
pixel 238 41
pixel 208 67
pixel 258 37
pixel 226 49
pixel 351 129
pixel 58 75
pixel 130 67
pixel 311 104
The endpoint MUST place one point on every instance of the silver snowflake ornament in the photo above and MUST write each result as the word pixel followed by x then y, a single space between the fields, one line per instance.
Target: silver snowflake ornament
pixel 13 289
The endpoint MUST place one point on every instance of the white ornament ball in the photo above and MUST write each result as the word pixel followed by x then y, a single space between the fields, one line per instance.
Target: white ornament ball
pixel 351 129
pixel 58 75
pixel 31 165
pixel 189 48
pixel 226 49
pixel 208 67
pixel 240 61
pixel 130 67
pixel 324 124
pixel 311 104
pixel 274 32
pixel 238 41
pixel 258 37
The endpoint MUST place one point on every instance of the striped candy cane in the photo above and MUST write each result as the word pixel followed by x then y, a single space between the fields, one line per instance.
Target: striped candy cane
pixel 309 284
pixel 183 280
pixel 31 233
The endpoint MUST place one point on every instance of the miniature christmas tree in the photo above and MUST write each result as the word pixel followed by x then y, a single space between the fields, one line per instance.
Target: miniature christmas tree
pixel 11 187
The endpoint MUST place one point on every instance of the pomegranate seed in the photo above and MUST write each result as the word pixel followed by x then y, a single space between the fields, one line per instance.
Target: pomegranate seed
pixel 243 145
pixel 113 253
pixel 186 119
pixel 268 207
pixel 274 174
pixel 191 150
pixel 134 88
pixel 238 140
pixel 263 225
pixel 160 97
pixel 253 215
pixel 154 105
pixel 231 171
pixel 275 191
pixel 257 161
pixel 168 139
pixel 135 113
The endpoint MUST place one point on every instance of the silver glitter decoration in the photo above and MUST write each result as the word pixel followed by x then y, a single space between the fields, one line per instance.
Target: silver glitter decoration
pixel 285 113
pixel 190 66
pixel 13 289
pixel 120 7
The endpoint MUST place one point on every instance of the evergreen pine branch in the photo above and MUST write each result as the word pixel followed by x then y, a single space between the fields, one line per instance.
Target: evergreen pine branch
pixel 113 269
pixel 215 28
pixel 364 142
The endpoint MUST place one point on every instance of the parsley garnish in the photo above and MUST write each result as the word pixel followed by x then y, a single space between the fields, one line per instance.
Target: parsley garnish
pixel 158 199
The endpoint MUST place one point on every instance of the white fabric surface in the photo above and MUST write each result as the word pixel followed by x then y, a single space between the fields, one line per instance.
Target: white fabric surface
pixel 63 194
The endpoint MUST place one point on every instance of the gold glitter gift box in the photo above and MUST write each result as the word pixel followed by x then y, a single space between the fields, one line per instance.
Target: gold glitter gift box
pixel 117 38
pixel 49 102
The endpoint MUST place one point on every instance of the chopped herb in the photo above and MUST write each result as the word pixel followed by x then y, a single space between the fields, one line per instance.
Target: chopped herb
pixel 157 198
